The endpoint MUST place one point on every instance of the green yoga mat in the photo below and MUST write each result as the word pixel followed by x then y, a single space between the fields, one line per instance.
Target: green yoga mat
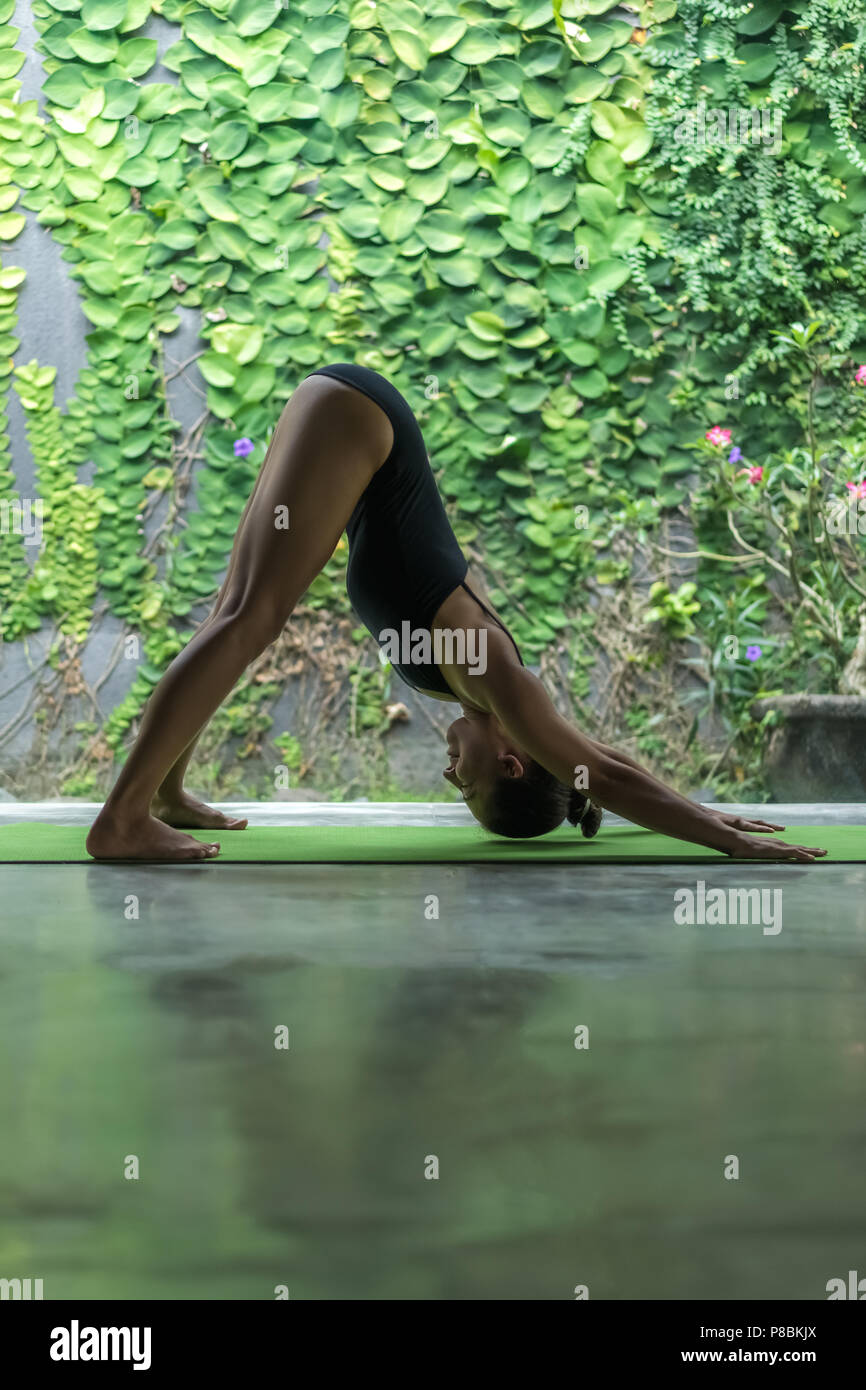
pixel 35 843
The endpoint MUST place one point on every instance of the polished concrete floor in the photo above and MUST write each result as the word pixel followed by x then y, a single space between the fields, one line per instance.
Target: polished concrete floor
pixel 139 1009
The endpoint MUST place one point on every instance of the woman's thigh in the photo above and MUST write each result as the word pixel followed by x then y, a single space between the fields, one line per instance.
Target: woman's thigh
pixel 328 443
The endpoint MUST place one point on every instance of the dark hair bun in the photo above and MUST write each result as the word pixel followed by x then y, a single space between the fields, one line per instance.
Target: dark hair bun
pixel 583 812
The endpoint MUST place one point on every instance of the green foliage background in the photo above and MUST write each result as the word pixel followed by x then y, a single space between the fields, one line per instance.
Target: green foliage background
pixel 519 238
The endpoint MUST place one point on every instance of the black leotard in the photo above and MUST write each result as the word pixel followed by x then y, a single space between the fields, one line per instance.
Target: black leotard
pixel 404 559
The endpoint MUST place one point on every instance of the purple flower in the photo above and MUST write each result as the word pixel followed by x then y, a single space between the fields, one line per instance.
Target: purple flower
pixel 243 448
pixel 753 653
pixel 735 455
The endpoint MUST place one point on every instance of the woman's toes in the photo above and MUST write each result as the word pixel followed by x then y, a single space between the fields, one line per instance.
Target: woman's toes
pixel 188 813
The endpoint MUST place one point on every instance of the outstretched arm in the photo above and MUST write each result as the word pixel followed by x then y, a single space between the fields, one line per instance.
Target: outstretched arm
pixel 524 709
pixel 750 823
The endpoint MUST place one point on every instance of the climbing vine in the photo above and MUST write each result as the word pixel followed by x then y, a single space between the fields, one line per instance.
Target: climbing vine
pixel 502 207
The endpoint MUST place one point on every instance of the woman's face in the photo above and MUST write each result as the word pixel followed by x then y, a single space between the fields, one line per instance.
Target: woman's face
pixel 479 753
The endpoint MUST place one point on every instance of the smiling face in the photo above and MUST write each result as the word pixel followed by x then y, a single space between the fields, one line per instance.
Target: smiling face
pixel 479 754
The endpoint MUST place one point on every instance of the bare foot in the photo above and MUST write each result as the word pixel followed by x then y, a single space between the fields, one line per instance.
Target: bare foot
pixel 184 810
pixel 111 837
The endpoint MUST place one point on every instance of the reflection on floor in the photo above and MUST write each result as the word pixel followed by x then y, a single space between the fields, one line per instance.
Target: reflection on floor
pixel 431 1013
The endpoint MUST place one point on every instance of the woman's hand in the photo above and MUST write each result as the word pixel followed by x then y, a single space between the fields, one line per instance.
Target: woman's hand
pixel 742 822
pixel 745 846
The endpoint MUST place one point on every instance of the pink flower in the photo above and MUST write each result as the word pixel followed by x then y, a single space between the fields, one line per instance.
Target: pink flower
pixel 860 375
pixel 857 489
pixel 755 474
pixel 718 436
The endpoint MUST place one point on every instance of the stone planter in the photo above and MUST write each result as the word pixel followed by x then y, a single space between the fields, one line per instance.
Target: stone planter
pixel 817 751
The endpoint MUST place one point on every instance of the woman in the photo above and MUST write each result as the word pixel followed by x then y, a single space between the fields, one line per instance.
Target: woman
pixel 347 455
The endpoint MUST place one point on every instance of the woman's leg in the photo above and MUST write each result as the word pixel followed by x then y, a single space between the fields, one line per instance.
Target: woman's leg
pixel 171 802
pixel 327 445
pixel 176 806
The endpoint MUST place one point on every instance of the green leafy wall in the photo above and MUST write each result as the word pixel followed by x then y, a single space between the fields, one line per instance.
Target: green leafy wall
pixel 486 202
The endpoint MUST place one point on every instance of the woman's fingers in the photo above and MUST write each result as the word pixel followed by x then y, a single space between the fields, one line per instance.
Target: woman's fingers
pixel 764 825
pixel 747 823
pixel 776 849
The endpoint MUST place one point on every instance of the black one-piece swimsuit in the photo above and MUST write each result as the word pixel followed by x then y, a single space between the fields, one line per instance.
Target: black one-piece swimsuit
pixel 404 559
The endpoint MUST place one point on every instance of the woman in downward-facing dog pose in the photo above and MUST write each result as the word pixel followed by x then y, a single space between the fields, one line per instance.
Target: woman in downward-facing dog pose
pixel 348 455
